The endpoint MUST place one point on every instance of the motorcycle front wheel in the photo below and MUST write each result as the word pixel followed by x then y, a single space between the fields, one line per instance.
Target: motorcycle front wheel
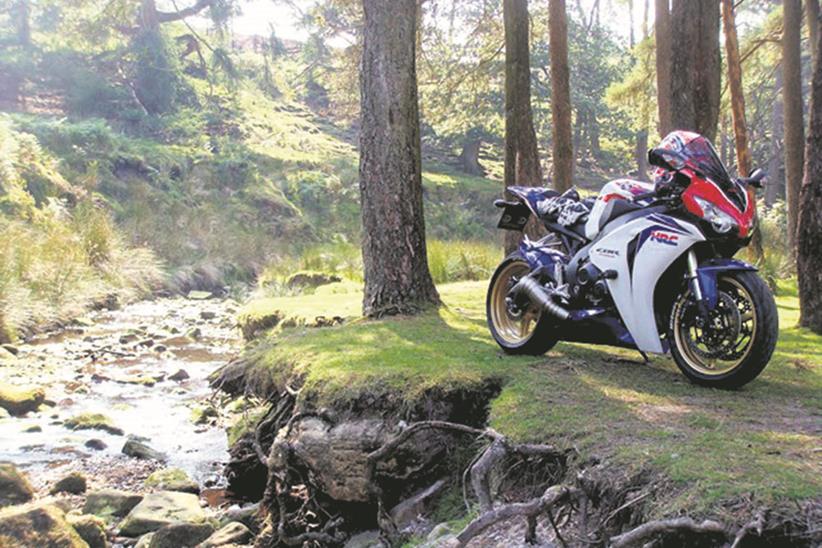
pixel 524 330
pixel 732 346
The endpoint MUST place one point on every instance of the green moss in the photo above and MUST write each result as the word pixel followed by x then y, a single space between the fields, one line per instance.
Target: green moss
pixel 715 445
pixel 93 421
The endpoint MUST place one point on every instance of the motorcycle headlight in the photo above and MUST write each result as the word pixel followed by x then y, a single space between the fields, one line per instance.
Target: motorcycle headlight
pixel 721 221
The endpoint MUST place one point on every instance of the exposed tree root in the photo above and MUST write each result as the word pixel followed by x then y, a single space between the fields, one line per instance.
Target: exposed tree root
pixel 495 452
pixel 553 496
pixel 639 535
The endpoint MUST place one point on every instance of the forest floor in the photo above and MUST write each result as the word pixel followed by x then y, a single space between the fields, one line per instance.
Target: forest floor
pixel 718 453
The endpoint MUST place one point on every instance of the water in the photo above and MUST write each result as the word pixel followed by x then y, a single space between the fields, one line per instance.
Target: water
pixel 95 369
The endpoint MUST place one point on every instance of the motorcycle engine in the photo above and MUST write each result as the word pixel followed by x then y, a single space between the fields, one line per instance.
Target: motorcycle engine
pixel 589 284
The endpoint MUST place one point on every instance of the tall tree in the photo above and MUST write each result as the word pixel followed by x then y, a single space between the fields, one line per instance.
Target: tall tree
pixel 792 101
pixel 397 279
pixel 662 32
pixel 812 15
pixel 775 182
pixel 521 153
pixel 743 151
pixel 695 84
pixel 809 233
pixel 563 153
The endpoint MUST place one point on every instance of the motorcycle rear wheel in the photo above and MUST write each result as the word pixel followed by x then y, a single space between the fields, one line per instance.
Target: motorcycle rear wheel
pixel 529 332
pixel 738 344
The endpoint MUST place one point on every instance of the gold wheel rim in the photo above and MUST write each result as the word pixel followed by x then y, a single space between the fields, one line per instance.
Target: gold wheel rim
pixel 683 334
pixel 514 330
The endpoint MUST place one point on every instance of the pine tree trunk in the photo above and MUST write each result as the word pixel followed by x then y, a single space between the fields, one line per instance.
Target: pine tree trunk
pixel 792 100
pixel 662 30
pixel 812 13
pixel 775 180
pixel 743 151
pixel 563 153
pixel 521 153
pixel 397 279
pixel 695 84
pixel 22 14
pixel 469 157
pixel 809 233
pixel 641 154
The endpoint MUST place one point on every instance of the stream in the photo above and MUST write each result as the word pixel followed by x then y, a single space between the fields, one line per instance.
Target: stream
pixel 145 368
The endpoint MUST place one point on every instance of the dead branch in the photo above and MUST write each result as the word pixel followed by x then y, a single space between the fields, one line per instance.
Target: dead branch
pixel 554 495
pixel 637 536
pixel 482 468
pixel 756 525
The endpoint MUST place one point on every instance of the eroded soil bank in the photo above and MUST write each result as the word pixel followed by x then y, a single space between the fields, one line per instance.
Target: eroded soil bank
pixel 374 473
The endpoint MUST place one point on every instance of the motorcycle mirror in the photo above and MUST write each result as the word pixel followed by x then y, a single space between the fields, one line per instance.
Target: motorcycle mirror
pixel 666 159
pixel 755 178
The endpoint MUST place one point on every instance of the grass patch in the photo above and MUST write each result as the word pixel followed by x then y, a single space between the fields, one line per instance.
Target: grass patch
pixel 714 445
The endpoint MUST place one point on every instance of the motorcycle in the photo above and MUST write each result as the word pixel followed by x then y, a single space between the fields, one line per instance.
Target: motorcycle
pixel 642 266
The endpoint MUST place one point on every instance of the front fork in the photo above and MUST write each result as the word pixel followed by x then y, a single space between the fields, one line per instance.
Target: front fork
pixel 695 284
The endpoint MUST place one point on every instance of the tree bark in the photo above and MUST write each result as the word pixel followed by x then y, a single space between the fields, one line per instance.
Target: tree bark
pixel 695 84
pixel 397 279
pixel 22 14
pixel 809 234
pixel 775 180
pixel 812 13
pixel 641 154
pixel 521 153
pixel 793 119
pixel 563 153
pixel 469 157
pixel 662 31
pixel 743 151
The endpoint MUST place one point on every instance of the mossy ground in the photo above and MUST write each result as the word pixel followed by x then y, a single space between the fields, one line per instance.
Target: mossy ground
pixel 761 442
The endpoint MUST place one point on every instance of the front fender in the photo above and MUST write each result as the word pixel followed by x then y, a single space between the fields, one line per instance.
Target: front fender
pixel 708 272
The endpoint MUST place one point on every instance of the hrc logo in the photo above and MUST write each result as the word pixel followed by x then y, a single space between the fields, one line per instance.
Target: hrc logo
pixel 664 237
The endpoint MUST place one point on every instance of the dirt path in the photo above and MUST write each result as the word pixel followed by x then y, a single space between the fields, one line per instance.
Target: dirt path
pixel 144 368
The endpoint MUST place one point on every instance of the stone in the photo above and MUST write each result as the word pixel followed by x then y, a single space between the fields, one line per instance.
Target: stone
pixel 180 375
pixel 90 528
pixel 11 349
pixel 208 314
pixel 19 401
pixel 144 541
pixel 305 280
pixel 248 515
pixel 439 531
pixel 159 509
pixel 74 483
pixel 195 333
pixel 33 428
pixel 199 295
pixel 93 421
pixel 14 486
pixel 204 415
pixel 139 450
pixel 6 356
pixel 366 539
pixel 128 339
pixel 42 525
pixel 231 533
pixel 337 456
pixel 4 414
pixel 172 479
pixel 181 535
pixel 111 502
pixel 96 444
pixel 406 512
